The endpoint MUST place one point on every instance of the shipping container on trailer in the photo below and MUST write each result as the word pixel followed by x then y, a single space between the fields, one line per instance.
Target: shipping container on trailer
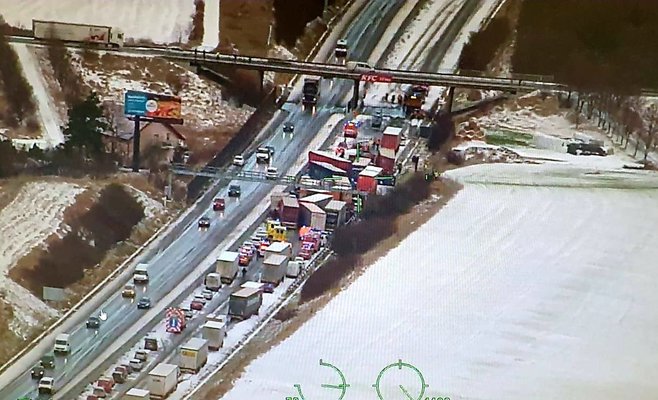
pixel 227 266
pixel 336 214
pixel 289 211
pixel 284 248
pixel 328 157
pixel 274 268
pixel 193 355
pixel 214 332
pixel 386 160
pixel 136 394
pixel 319 199
pixel 82 33
pixel 367 180
pixel 312 215
pixel 391 138
pixel 322 170
pixel 245 302
pixel 163 380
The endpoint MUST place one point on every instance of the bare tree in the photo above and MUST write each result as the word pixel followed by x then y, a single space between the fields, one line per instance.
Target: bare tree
pixel 652 130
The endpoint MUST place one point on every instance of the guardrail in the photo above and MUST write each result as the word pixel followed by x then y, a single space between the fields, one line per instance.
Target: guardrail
pixel 290 293
pixel 261 177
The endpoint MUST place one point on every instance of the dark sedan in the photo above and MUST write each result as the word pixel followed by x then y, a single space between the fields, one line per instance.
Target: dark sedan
pixel 144 303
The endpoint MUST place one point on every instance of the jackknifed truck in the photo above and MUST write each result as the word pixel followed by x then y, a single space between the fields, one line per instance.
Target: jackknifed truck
pixel 193 355
pixel 163 380
pixel 244 303
pixel 80 33
pixel 227 266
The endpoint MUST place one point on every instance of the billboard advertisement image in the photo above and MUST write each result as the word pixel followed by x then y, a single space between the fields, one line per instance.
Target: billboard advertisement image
pixel 153 106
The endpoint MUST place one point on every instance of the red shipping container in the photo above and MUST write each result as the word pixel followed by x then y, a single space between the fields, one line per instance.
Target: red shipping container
pixel 327 157
pixel 391 138
pixel 386 160
pixel 366 181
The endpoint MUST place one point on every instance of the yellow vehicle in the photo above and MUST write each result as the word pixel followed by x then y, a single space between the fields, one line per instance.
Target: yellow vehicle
pixel 279 234
pixel 270 225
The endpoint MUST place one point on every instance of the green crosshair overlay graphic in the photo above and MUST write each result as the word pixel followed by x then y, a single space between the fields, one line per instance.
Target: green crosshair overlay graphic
pixel 404 390
pixel 341 386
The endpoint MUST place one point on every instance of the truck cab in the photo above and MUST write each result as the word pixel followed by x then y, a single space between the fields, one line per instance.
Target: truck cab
pixel 62 343
pixel 141 275
pixel 341 48
pixel 263 155
pixel 311 91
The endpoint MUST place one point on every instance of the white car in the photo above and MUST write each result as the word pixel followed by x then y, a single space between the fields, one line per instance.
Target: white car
pixel 47 385
pixel 238 161
pixel 271 173
pixel 207 294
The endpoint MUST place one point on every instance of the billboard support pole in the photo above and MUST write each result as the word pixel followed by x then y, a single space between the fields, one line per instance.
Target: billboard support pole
pixel 136 145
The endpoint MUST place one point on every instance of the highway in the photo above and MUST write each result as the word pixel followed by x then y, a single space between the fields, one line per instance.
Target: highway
pixel 171 264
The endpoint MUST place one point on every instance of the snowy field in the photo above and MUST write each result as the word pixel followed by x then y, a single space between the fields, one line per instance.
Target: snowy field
pixel 514 292
pixel 29 220
pixel 163 21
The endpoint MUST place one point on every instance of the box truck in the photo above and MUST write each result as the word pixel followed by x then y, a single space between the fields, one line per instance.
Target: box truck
pixel 193 355
pixel 227 266
pixel 136 394
pixel 163 380
pixel 213 332
pixel 213 281
pixel 274 268
pixel 284 248
pixel 312 215
pixel 289 211
pixel 295 267
pixel 244 303
pixel 82 33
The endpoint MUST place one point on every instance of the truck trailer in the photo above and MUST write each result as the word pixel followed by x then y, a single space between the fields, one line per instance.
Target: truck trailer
pixel 80 33
pixel 282 248
pixel 193 355
pixel 227 266
pixel 311 91
pixel 163 380
pixel 313 216
pixel 274 268
pixel 289 211
pixel 214 332
pixel 244 303
pixel 136 394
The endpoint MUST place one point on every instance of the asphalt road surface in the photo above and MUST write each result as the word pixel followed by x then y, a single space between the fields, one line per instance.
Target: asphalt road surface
pixel 173 263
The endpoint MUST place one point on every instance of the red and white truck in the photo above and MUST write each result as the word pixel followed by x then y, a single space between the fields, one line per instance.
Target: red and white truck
pixel 81 33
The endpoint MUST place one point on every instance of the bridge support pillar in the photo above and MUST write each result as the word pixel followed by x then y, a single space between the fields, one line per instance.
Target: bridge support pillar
pixel 136 145
pixel 355 95
pixel 261 77
pixel 449 100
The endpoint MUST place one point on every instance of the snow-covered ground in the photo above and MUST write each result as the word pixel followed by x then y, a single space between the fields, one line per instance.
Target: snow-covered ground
pixel 210 25
pixel 412 48
pixel 163 21
pixel 48 115
pixel 517 292
pixel 449 62
pixel 25 223
pixel 202 102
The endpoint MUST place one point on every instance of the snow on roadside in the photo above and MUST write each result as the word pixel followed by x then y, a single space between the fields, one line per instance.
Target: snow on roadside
pixel 528 280
pixel 400 56
pixel 35 213
pixel 210 25
pixel 152 207
pixel 163 21
pixel 48 115
pixel 203 105
pixel 449 62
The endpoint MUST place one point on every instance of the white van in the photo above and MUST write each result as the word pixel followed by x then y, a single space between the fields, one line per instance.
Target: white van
pixel 141 274
pixel 62 344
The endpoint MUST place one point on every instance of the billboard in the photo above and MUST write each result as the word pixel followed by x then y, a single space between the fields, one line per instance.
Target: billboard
pixel 153 106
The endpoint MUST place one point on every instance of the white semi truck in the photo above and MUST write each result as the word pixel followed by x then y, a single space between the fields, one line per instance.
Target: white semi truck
pixel 81 33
